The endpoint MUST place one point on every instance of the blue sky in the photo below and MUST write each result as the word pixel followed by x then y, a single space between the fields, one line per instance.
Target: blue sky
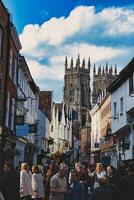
pixel 51 29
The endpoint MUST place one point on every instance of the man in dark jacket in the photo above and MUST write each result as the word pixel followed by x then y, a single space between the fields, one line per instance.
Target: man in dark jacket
pixel 103 192
pixel 126 185
pixel 76 191
pixel 9 183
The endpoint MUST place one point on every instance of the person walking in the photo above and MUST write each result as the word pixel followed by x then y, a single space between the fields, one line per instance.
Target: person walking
pixel 53 169
pixel 37 184
pixel 103 192
pixel 126 184
pixel 25 182
pixel 9 182
pixel 77 191
pixel 58 184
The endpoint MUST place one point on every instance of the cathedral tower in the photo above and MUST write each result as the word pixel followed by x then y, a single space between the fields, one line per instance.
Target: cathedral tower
pixel 102 79
pixel 77 88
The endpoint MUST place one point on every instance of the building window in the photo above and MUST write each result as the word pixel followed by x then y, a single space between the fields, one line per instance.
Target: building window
pixel 10 62
pixel 7 109
pixel 131 84
pixel 15 71
pixel 115 110
pixel 12 114
pixel 1 36
pixel 121 105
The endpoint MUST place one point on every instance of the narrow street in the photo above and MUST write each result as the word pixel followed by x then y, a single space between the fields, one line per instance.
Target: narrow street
pixel 66 100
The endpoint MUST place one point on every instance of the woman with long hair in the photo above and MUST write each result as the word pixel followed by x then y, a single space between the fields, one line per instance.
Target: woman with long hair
pixel 37 184
pixel 98 173
pixel 25 182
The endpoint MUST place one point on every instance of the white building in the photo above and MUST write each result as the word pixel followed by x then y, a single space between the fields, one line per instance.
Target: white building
pixel 60 129
pixel 95 132
pixel 122 106
pixel 26 111
pixel 43 130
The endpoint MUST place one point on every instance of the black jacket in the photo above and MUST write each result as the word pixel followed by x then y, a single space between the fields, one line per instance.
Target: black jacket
pixel 9 186
pixel 126 187
pixel 102 194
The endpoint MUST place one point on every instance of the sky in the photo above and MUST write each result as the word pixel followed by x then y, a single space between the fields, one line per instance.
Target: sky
pixel 49 30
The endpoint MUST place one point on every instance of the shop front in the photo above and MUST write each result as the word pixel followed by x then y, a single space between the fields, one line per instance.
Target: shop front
pixel 108 152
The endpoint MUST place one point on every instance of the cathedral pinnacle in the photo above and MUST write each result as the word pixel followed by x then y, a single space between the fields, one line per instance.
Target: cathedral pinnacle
pixel 99 70
pixel 66 63
pixel 78 61
pixel 103 71
pixel 71 64
pixel 94 70
pixel 111 71
pixel 115 70
pixel 106 67
pixel 83 63
pixel 89 64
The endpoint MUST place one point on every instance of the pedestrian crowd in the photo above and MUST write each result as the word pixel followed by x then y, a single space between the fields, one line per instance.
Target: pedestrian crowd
pixel 62 182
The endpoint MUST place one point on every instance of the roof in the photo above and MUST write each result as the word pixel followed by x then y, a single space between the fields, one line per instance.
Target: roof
pixel 123 76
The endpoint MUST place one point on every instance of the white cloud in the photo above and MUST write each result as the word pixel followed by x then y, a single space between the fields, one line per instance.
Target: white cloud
pixel 84 31
pixel 55 69
pixel 117 20
pixel 40 71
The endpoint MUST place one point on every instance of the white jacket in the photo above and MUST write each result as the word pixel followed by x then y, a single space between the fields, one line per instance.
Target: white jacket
pixel 25 183
pixel 37 185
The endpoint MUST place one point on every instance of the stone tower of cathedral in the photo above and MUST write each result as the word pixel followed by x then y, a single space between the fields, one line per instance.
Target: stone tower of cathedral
pixel 102 78
pixel 77 88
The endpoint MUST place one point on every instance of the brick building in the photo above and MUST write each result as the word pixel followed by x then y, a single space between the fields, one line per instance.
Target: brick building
pixel 45 103
pixel 9 50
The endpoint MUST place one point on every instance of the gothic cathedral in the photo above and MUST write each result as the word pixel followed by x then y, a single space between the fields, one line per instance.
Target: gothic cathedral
pixel 77 88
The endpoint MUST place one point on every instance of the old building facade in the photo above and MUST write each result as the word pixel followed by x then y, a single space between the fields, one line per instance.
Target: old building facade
pixel 9 51
pixel 4 52
pixel 123 112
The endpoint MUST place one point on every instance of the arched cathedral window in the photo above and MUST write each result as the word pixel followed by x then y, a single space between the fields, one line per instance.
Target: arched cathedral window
pixel 71 93
pixel 82 95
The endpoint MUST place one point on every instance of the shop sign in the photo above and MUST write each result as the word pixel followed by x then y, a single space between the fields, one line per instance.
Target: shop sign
pixel 96 145
pixel 22 130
